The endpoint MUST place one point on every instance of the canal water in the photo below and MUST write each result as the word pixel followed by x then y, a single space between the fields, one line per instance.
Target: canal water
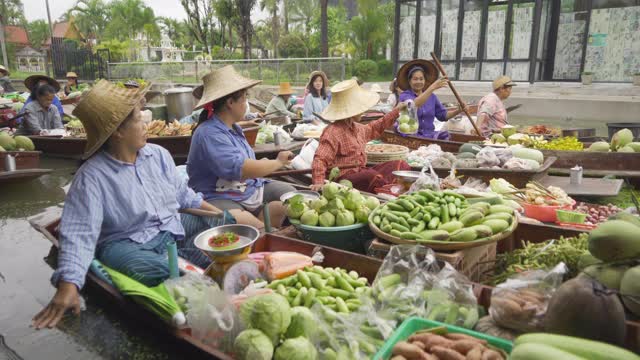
pixel 101 331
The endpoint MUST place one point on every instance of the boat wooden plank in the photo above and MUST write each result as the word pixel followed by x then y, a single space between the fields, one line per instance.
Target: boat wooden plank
pixel 271 151
pixel 366 266
pixel 24 159
pixel 589 186
pixel 7 177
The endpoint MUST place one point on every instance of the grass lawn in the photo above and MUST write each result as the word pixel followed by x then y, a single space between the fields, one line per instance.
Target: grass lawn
pixel 21 75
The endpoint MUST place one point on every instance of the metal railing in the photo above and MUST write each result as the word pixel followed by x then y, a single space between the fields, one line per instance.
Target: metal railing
pixel 270 71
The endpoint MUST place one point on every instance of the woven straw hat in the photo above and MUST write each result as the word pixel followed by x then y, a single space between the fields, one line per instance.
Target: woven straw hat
pixel 103 109
pixel 321 73
pixel 71 74
pixel 4 70
pixel 430 73
pixel 376 88
pixel 285 89
pixel 32 80
pixel 348 99
pixel 222 82
pixel 502 81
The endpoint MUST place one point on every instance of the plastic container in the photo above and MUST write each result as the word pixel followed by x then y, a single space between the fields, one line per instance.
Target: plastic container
pixel 251 134
pixel 353 238
pixel 544 213
pixel 571 217
pixel 413 324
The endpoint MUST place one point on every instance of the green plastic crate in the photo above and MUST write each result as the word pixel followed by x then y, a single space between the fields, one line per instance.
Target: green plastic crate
pixel 413 324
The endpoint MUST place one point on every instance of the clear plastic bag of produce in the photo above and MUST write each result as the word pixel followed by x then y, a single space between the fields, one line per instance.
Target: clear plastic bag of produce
pixel 487 158
pixel 399 288
pixel 520 303
pixel 428 180
pixel 451 299
pixel 210 313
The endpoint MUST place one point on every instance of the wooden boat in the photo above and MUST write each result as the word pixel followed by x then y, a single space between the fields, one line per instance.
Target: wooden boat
pixel 27 167
pixel 21 176
pixel 365 266
pixel 24 159
pixel 594 163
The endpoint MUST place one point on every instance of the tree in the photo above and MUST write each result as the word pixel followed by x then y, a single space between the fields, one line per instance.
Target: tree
pixel 292 45
pixel 91 16
pixel 272 7
pixel 370 29
pixel 12 12
pixel 243 24
pixel 38 32
pixel 225 11
pixel 128 19
pixel 200 18
pixel 324 39
pixel 302 12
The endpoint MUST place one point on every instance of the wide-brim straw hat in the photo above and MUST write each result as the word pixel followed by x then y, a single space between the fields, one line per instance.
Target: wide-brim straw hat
pixel 348 99
pixel 376 88
pixel 197 92
pixel 222 82
pixel 285 89
pixel 321 73
pixel 102 109
pixel 430 73
pixel 502 81
pixel 4 70
pixel 71 74
pixel 32 80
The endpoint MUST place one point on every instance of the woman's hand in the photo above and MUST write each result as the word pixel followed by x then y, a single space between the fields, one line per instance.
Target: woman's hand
pixel 401 106
pixel 66 298
pixel 317 187
pixel 438 84
pixel 285 157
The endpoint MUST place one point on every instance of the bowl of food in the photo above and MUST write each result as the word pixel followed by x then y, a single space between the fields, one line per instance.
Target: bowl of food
pixel 306 195
pixel 226 240
pixel 406 178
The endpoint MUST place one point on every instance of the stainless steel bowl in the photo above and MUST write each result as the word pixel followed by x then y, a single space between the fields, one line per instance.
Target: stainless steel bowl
pixel 248 235
pixel 407 176
pixel 306 194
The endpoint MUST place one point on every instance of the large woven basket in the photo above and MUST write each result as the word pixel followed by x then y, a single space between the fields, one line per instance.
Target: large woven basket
pixel 381 153
pixel 444 245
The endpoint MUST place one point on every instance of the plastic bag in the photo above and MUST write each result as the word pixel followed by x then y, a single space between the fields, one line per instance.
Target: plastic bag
pixel 451 300
pixel 517 164
pixel 487 158
pixel 305 158
pixel 503 155
pixel 426 181
pixel 424 155
pixel 520 303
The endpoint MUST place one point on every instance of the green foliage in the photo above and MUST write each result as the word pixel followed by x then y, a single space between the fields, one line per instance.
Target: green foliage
pixel 38 32
pixel 292 45
pixel 118 50
pixel 366 69
pixel 91 16
pixel 385 68
pixel 128 18
pixel 12 12
pixel 11 54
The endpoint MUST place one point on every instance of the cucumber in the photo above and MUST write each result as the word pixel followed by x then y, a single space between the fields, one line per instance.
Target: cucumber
pixel 532 351
pixel 588 349
pixel 433 224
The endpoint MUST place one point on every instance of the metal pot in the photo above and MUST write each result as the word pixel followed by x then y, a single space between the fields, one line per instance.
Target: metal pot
pixel 179 102
pixel 9 163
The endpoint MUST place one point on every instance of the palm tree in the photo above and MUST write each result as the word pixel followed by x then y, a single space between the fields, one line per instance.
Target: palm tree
pixel 225 12
pixel 243 24
pixel 302 12
pixel 91 16
pixel 324 30
pixel 272 7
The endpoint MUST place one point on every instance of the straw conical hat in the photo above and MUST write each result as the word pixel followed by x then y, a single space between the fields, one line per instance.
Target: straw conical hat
pixel 376 88
pixel 222 82
pixel 285 89
pixel 348 99
pixel 103 109
pixel 430 73
pixel 32 80
pixel 71 74
pixel 4 70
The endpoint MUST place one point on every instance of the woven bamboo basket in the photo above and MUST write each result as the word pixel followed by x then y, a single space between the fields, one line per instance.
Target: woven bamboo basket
pixel 381 153
pixel 444 245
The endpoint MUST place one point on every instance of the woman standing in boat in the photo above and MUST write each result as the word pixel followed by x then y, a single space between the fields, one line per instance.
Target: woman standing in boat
pixel 122 207
pixel 343 141
pixel 419 77
pixel 221 163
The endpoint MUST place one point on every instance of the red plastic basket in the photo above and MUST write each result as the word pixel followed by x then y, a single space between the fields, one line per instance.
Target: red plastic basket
pixel 544 213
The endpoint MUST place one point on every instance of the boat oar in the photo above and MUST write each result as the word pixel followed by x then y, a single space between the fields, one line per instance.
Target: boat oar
pixel 454 91
pixel 514 107
pixel 306 171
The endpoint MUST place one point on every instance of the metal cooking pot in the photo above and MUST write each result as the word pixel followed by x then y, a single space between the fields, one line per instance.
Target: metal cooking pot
pixel 179 102
pixel 9 163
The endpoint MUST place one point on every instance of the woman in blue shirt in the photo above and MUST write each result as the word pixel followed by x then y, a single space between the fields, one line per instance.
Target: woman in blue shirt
pixel 414 78
pixel 221 163
pixel 122 207
pixel 32 83
pixel 317 98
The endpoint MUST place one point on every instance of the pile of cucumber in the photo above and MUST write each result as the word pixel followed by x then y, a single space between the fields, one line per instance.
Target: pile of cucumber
pixel 441 216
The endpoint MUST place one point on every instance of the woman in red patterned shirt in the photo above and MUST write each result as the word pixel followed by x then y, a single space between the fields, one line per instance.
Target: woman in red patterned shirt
pixel 343 142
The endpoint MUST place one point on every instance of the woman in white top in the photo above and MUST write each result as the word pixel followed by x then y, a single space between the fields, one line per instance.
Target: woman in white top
pixel 317 99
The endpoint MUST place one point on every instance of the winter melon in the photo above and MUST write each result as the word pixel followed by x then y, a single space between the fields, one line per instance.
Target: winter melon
pixel 23 142
pixel 599 146
pixel 471 148
pixel 466 155
pixel 7 142
pixel 626 149
pixel 531 154
pixel 635 146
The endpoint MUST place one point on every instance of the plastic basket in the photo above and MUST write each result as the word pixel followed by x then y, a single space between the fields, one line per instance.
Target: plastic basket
pixel 353 238
pixel 544 213
pixel 413 324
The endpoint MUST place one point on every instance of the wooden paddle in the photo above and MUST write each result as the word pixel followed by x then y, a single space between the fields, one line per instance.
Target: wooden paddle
pixel 514 107
pixel 200 212
pixel 306 171
pixel 453 90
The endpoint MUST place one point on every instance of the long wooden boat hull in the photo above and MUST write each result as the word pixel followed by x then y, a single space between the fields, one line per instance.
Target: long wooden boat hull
pixel 594 163
pixel 21 176
pixel 24 159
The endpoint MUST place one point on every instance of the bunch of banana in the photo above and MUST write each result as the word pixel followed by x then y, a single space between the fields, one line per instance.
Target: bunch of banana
pixel 156 128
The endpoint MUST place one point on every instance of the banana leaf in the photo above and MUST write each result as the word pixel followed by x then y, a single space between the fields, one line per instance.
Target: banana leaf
pixel 157 298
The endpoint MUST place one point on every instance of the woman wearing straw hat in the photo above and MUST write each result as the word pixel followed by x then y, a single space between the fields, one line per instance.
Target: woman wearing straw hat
pixel 72 83
pixel 32 83
pixel 221 163
pixel 343 141
pixel 199 116
pixel 279 102
pixel 421 76
pixel 5 81
pixel 122 207
pixel 316 99
pixel 40 115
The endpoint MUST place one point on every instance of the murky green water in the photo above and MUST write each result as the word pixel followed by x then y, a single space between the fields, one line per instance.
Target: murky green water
pixel 101 331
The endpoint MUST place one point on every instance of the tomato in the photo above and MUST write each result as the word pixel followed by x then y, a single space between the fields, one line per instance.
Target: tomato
pixel 225 239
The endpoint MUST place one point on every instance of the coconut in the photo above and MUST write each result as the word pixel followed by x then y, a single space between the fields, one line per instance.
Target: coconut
pixel 615 240
pixel 635 146
pixel 498 139
pixel 621 139
pixel 608 275
pixel 630 290
pixel 2 149
pixel 23 142
pixel 599 146
pixel 582 307
pixel 626 149
pixel 7 142
pixel 508 130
